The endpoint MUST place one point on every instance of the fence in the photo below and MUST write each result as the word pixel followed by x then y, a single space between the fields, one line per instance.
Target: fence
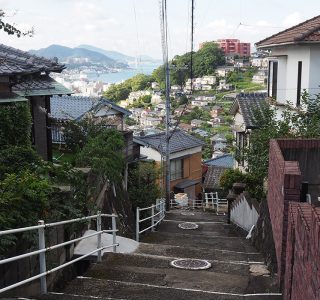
pixel 191 203
pixel 43 249
pixel 160 207
pixel 213 200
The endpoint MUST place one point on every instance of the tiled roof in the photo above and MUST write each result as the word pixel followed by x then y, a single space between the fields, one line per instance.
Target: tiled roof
pixel 14 61
pixel 11 97
pixel 179 141
pixel 212 177
pixel 307 31
pixel 40 86
pixel 226 161
pixel 248 104
pixel 74 107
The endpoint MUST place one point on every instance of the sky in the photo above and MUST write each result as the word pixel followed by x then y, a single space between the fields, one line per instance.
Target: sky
pixel 132 27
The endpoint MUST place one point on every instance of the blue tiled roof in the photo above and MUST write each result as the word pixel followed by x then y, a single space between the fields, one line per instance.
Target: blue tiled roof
pixel 225 160
pixel 74 107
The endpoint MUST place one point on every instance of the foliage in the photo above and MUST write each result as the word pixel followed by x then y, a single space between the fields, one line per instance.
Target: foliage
pixel 206 60
pixel 231 176
pixel 77 133
pixel 129 121
pixel 117 92
pixel 142 184
pixel 13 158
pixel 11 29
pixel 23 201
pixel 15 124
pixel 145 99
pixel 301 122
pixel 121 91
pixel 196 113
pixel 104 154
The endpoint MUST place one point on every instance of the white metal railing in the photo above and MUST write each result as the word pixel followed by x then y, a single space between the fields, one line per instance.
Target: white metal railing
pixel 191 203
pixel 43 249
pixel 155 217
pixel 212 199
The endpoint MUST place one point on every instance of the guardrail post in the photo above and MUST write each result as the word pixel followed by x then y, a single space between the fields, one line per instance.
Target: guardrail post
pixel 114 233
pixel 152 218
pixel 137 224
pixel 42 258
pixel 99 236
pixel 163 208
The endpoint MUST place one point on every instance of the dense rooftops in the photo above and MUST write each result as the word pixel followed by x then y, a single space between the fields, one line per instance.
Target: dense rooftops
pixel 305 32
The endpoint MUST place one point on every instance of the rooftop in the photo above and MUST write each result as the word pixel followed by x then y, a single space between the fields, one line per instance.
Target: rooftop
pixel 15 61
pixel 74 107
pixel 305 32
pixel 247 104
pixel 179 141
pixel 226 161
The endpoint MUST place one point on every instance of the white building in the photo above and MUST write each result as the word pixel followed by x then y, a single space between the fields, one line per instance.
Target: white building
pixel 294 64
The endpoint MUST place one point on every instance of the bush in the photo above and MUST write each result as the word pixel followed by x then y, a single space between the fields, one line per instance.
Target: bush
pixel 230 177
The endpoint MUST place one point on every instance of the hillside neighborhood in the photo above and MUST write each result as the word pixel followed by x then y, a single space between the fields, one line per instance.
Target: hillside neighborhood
pixel 86 167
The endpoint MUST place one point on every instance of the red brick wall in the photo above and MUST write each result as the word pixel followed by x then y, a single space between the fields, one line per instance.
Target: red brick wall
pixel 295 226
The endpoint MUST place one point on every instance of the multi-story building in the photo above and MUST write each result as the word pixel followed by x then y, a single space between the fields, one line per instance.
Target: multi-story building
pixel 234 47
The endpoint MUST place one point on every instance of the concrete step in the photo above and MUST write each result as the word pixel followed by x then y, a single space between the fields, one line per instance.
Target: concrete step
pixel 178 214
pixel 198 252
pixel 112 289
pixel 204 228
pixel 193 240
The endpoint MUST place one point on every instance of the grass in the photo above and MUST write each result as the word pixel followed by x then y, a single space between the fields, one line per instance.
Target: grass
pixel 63 156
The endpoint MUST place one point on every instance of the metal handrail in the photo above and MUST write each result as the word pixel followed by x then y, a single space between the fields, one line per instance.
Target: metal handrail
pixel 161 206
pixel 43 249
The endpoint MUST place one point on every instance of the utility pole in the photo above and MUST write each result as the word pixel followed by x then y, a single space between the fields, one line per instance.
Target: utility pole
pixel 167 137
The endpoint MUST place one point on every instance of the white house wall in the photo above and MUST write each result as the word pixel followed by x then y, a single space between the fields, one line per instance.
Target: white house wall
pixel 314 81
pixel 155 155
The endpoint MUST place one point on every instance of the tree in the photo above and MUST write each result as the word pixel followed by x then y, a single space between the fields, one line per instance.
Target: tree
pixel 104 153
pixel 117 92
pixel 11 29
pixel 139 82
pixel 301 122
pixel 142 186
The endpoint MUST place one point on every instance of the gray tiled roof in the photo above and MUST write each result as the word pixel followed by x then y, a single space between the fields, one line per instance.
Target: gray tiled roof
pixel 248 104
pixel 212 177
pixel 74 107
pixel 40 85
pixel 179 141
pixel 14 61
pixel 225 160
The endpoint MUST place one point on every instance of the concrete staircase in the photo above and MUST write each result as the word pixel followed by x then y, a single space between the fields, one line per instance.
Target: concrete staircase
pixel 147 274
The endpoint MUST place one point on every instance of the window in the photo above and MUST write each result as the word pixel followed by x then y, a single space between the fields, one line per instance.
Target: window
pixel 299 83
pixel 176 169
pixel 273 79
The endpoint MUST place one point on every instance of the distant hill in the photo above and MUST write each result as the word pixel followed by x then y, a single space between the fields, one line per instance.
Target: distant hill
pixel 77 55
pixel 120 56
pixel 112 54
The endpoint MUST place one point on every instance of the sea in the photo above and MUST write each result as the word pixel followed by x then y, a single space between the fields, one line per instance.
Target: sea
pixel 117 77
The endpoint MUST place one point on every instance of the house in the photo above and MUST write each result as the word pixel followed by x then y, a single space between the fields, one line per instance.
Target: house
pixel 234 47
pixel 294 62
pixel 260 77
pixel 185 127
pixel 25 77
pixel 243 110
pixel 225 161
pixel 185 159
pixel 209 80
pixel 224 86
pixel 259 62
pixel 223 71
pixel 150 121
pixel 66 108
pixel 201 132
pixel 215 111
pixel 196 123
pixel 199 103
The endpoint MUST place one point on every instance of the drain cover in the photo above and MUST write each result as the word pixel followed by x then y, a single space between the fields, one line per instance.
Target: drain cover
pixel 191 264
pixel 187 213
pixel 188 225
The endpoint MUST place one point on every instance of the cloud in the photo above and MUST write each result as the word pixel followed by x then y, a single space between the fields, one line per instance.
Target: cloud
pixel 292 19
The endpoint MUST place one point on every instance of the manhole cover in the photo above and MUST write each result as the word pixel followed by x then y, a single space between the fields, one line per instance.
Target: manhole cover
pixel 188 225
pixel 187 213
pixel 191 264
